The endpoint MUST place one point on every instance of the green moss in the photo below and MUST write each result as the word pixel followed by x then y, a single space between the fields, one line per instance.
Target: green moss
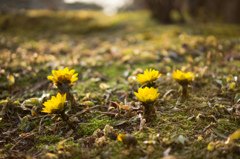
pixel 4 125
pixel 51 147
pixel 48 138
pixel 49 142
pixel 89 86
pixel 48 121
pixel 142 135
pixel 86 129
pixel 114 71
pixel 73 144
pixel 8 146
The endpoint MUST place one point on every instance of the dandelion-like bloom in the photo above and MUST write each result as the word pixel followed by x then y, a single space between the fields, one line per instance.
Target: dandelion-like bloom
pixel 148 76
pixel 183 78
pixel 55 104
pixel 63 76
pixel 147 95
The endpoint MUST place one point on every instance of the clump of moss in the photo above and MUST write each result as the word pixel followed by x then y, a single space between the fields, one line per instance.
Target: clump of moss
pixel 48 138
pixel 9 145
pixel 48 121
pixel 73 144
pixel 4 125
pixel 85 129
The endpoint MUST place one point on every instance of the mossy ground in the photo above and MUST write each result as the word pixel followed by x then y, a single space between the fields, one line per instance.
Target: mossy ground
pixel 112 50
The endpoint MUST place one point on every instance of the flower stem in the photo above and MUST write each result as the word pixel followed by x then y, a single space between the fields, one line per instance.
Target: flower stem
pixel 72 101
pixel 65 118
pixel 148 110
pixel 184 91
pixel 65 88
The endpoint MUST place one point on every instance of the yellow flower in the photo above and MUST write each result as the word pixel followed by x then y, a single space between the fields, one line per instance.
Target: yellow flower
pixel 183 78
pixel 148 76
pixel 55 104
pixel 63 76
pixel 147 94
pixel 120 137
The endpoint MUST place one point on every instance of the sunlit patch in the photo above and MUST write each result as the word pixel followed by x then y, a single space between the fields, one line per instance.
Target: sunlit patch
pixel 110 7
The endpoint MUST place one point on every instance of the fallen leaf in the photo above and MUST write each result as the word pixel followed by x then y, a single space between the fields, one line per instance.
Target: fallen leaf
pixel 235 135
pixel 237 98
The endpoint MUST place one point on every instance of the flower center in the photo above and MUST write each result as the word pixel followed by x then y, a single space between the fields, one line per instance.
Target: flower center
pixel 64 79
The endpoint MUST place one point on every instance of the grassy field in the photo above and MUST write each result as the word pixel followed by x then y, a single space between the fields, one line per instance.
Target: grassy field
pixel 107 53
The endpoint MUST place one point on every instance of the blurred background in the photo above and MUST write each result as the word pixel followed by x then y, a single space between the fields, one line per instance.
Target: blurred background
pixel 164 11
pixel 107 40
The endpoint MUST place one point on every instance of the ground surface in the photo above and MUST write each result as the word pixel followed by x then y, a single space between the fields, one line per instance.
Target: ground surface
pixel 107 53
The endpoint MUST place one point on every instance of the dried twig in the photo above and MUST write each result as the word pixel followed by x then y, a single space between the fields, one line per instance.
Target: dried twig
pixel 21 141
pixel 107 113
pixel 40 124
pixel 170 123
pixel 42 116
pixel 85 110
